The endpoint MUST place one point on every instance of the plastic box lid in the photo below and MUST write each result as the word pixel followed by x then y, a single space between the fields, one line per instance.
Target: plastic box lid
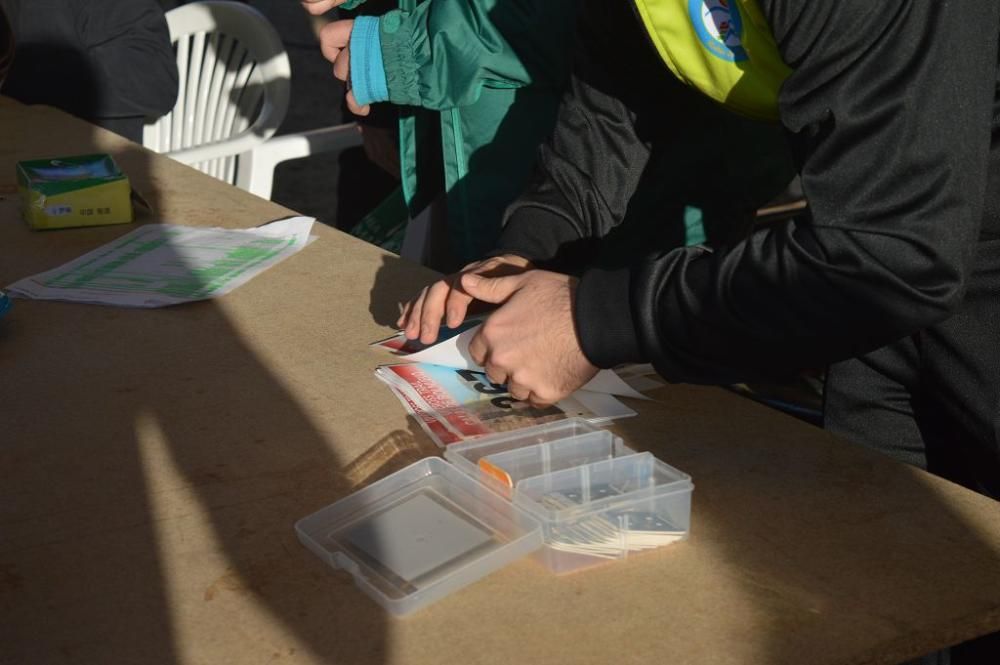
pixel 420 534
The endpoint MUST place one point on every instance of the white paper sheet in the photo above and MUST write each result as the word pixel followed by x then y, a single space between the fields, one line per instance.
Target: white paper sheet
pixel 163 264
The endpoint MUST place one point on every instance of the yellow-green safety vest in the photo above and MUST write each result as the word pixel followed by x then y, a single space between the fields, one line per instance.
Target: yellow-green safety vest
pixel 724 48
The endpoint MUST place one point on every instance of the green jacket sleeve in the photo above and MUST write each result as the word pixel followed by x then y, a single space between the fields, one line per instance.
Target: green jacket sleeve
pixel 443 53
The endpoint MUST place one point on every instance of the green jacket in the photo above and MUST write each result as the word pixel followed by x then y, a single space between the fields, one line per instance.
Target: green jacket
pixel 478 82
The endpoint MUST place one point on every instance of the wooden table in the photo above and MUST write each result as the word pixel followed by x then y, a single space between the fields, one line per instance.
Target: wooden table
pixel 154 462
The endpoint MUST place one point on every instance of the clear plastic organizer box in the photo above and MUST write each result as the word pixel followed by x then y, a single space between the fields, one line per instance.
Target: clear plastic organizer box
pixel 568 493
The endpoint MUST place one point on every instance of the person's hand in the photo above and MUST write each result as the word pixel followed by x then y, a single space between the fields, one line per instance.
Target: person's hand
pixel 530 342
pixel 317 7
pixel 446 300
pixel 335 43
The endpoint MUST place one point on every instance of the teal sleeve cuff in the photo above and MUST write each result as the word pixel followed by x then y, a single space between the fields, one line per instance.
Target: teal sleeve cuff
pixel 367 69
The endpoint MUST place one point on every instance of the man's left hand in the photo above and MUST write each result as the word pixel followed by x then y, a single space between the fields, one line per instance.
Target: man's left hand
pixel 530 342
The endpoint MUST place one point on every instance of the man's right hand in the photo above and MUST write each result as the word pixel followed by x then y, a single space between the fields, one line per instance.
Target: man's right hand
pixel 446 301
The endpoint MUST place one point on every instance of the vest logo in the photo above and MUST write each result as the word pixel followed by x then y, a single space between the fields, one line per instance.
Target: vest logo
pixel 719 26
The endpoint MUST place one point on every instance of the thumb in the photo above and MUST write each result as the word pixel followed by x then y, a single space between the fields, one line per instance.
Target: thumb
pixel 342 65
pixel 354 107
pixel 493 290
pixel 335 36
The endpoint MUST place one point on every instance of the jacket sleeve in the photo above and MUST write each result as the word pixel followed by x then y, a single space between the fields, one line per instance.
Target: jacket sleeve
pixel 888 111
pixel 588 170
pixel 128 46
pixel 444 52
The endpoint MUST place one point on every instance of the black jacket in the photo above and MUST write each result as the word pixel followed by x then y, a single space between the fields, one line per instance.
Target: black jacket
pixel 106 61
pixel 890 114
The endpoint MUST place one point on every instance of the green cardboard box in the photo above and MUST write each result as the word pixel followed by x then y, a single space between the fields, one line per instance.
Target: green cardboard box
pixel 85 190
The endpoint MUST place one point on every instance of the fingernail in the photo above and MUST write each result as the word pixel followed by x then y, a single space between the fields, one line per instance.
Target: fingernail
pixel 471 280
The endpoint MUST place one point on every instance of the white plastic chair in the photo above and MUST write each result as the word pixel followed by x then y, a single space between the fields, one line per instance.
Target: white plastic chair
pixel 256 167
pixel 233 94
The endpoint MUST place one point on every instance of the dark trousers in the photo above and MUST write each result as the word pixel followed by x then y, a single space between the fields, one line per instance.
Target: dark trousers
pixel 933 400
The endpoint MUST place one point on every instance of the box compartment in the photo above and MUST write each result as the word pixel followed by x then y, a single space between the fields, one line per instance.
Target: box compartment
pixel 607 510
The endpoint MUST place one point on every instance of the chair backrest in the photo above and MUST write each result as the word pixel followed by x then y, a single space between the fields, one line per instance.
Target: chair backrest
pixel 234 86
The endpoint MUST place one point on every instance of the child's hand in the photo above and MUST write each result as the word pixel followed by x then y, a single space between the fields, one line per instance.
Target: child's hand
pixel 317 7
pixel 335 43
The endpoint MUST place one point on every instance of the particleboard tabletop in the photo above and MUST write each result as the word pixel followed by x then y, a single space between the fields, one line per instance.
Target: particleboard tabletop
pixel 154 462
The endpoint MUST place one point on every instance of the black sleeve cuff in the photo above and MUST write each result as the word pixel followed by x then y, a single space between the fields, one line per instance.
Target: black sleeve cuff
pixel 544 237
pixel 535 233
pixel 603 317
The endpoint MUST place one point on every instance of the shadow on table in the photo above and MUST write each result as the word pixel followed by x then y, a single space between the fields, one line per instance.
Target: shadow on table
pixel 395 284
pixel 187 462
pixel 149 502
pixel 739 507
